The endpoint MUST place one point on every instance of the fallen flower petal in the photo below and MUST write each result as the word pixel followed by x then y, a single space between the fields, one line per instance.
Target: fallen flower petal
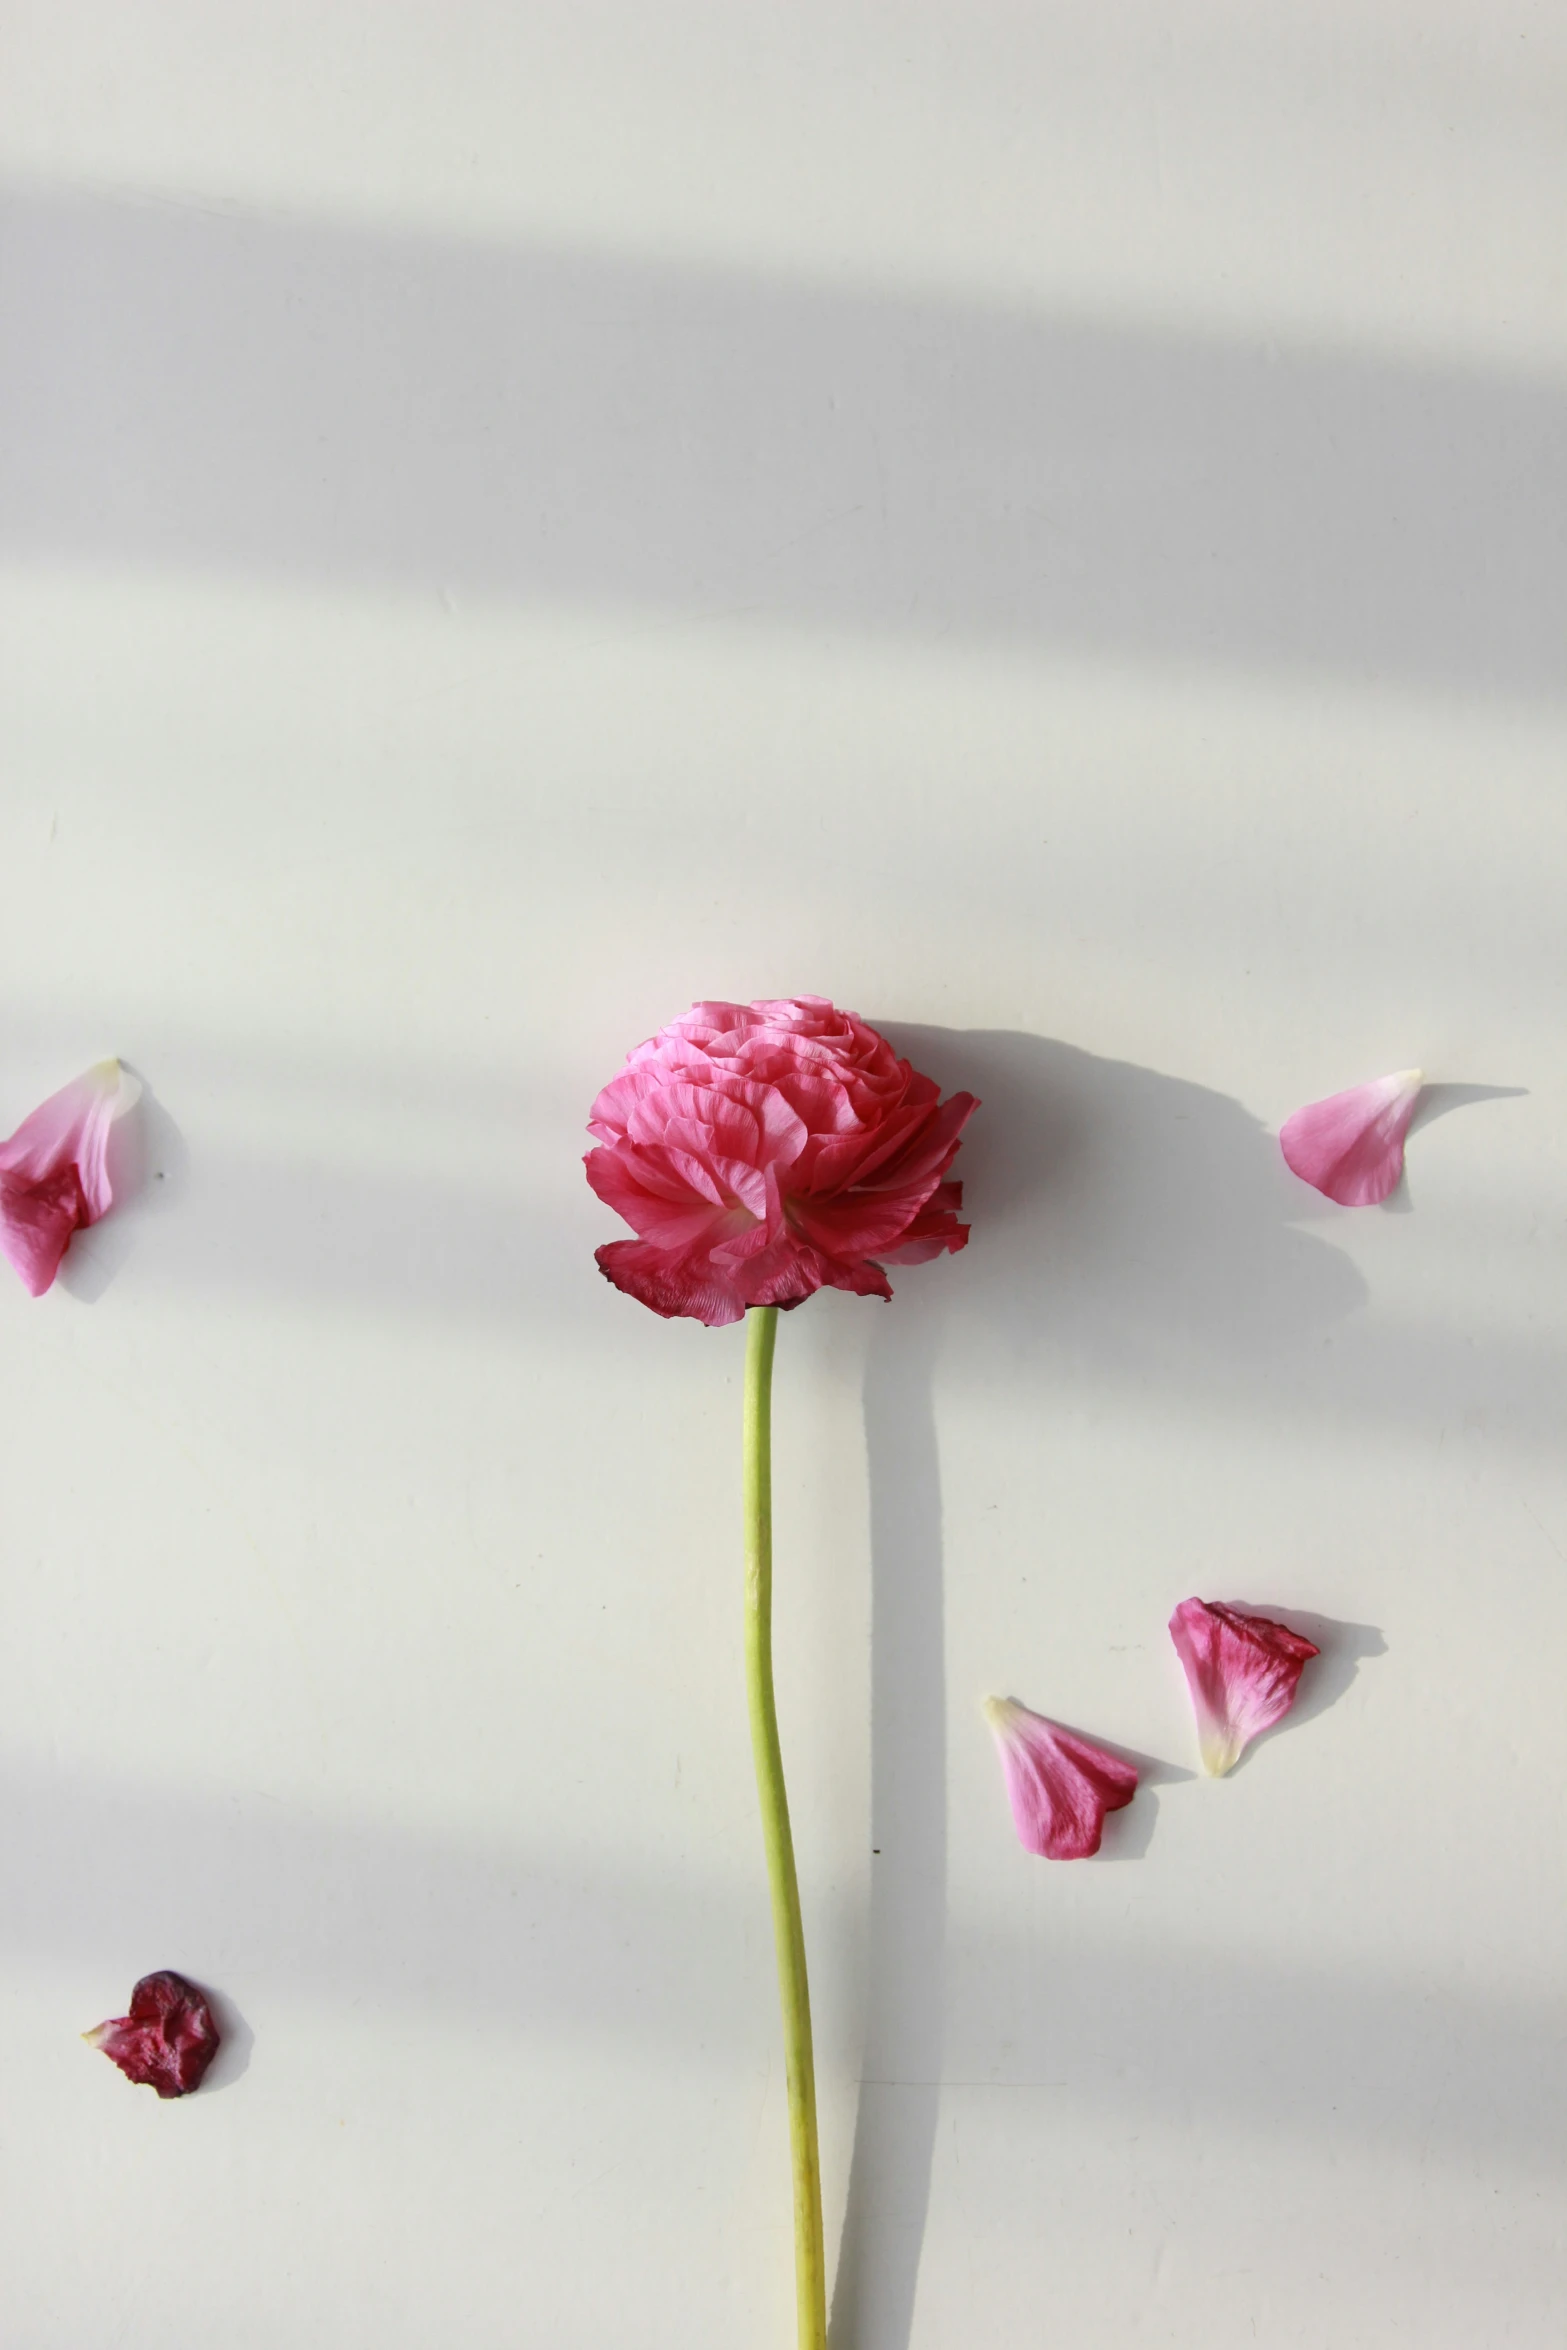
pixel 54 1177
pixel 1242 1672
pixel 1060 1786
pixel 168 2039
pixel 1351 1146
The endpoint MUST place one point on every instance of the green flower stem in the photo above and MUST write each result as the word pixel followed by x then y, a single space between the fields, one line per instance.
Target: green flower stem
pixel 788 1934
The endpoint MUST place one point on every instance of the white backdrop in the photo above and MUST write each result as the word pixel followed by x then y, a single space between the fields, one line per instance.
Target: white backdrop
pixel 1045 525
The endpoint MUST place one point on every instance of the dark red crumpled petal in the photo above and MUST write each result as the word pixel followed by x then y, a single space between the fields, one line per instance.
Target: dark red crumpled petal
pixel 168 2039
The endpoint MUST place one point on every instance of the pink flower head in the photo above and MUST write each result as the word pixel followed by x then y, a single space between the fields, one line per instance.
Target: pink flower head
pixel 1242 1672
pixel 53 1172
pixel 764 1151
pixel 1059 1785
pixel 168 2039
pixel 1351 1146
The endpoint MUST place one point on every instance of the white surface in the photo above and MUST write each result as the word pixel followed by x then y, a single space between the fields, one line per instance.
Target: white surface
pixel 1044 525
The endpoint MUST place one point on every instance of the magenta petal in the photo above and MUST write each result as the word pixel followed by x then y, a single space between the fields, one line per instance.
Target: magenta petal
pixel 1242 1672
pixel 671 1282
pixel 1351 1146
pixel 54 1177
pixel 168 2039
pixel 1059 1785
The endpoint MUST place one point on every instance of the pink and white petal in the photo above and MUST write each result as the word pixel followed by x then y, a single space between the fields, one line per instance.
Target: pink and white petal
pixel 1351 1146
pixel 1060 1786
pixel 54 1175
pixel 72 1129
pixel 1242 1671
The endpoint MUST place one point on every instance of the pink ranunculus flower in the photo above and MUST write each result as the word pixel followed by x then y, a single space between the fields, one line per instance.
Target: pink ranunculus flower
pixel 1242 1672
pixel 764 1151
pixel 1059 1785
pixel 54 1177
pixel 1351 1146
pixel 168 2039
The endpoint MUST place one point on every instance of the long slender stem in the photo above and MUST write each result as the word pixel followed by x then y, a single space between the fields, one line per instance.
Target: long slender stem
pixel 788 1935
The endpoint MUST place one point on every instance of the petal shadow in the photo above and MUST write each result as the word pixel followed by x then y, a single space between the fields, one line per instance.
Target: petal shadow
pixel 1328 1676
pixel 149 1168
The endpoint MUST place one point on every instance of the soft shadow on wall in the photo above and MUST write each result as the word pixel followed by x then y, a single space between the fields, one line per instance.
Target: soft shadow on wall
pixel 1140 1223
pixel 293 400
pixel 1125 1223
pixel 276 1902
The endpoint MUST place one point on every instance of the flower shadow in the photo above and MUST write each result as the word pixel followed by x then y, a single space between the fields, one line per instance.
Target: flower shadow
pixel 895 2121
pixel 237 2040
pixel 1437 1101
pixel 1126 1221
pixel 1121 1220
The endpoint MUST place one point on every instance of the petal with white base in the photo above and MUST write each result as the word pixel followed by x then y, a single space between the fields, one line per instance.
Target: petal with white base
pixel 1351 1146
pixel 1060 1786
pixel 1242 1672
pixel 54 1175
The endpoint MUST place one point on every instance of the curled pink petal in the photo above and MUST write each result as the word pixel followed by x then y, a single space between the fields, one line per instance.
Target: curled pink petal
pixel 1059 1785
pixel 54 1176
pixel 1351 1146
pixel 1242 1671
pixel 168 2039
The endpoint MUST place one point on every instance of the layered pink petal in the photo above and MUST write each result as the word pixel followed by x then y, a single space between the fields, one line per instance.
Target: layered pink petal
pixel 168 2039
pixel 855 1224
pixel 1242 1672
pixel 656 1208
pixel 934 1231
pixel 672 1282
pixel 1059 1785
pixel 926 1156
pixel 1351 1146
pixel 764 1151
pixel 831 1162
pixel 54 1175
pixel 860 1280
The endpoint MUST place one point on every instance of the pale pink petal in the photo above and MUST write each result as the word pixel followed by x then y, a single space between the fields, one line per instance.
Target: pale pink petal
pixel 54 1177
pixel 1242 1672
pixel 1060 1786
pixel 1351 1146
